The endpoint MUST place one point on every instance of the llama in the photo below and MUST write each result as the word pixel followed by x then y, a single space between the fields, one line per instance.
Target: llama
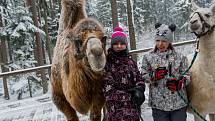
pixel 201 91
pixel 78 62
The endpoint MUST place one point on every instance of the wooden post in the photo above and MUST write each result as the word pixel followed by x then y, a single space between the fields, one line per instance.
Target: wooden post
pixel 29 87
pixel 3 60
pixel 131 29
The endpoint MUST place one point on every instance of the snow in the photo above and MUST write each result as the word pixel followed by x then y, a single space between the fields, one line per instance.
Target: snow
pixel 41 108
pixel 20 27
pixel 18 85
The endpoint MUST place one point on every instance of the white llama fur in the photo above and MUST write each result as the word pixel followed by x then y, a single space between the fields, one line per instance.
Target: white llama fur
pixel 201 91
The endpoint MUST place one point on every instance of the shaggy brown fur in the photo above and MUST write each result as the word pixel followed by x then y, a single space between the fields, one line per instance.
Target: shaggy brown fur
pixel 75 87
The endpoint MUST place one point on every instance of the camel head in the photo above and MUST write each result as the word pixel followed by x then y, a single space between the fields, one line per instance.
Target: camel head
pixel 202 20
pixel 90 44
pixel 95 52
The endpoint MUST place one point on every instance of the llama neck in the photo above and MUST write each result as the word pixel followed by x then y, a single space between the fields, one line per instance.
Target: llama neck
pixel 207 53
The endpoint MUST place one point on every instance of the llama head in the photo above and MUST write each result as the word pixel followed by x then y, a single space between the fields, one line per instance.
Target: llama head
pixel 202 19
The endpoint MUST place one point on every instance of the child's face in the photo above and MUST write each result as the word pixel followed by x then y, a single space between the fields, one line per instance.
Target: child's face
pixel 162 45
pixel 119 46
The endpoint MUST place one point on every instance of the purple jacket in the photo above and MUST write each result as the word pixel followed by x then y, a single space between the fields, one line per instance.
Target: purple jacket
pixel 122 74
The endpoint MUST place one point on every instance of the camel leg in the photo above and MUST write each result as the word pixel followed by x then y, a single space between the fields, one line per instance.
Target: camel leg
pixel 212 117
pixel 197 118
pixel 95 111
pixel 104 112
pixel 64 106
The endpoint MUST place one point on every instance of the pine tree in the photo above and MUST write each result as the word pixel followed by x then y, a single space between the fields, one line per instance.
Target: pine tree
pixel 139 13
pixel 19 28
pixel 103 13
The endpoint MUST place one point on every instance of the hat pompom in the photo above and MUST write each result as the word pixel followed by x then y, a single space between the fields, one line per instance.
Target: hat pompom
pixel 157 25
pixel 118 29
pixel 118 36
pixel 172 27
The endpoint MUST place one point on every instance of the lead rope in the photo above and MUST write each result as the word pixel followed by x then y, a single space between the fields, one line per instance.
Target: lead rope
pixel 194 58
pixel 191 106
pixel 178 92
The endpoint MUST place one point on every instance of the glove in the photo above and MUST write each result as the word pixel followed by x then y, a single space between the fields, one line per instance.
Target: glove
pixel 159 73
pixel 137 95
pixel 174 84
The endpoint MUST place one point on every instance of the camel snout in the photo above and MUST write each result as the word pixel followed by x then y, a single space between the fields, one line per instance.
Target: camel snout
pixel 94 46
pixel 194 26
pixel 97 51
pixel 193 21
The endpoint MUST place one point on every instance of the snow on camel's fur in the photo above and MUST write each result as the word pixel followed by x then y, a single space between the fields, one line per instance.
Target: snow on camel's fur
pixel 201 91
pixel 78 62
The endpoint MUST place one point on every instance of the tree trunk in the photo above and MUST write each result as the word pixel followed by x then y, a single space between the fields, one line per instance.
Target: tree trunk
pixel 38 46
pixel 131 28
pixel 57 2
pixel 114 13
pixel 51 8
pixel 3 68
pixel 48 43
pixel 29 87
pixel 3 60
pixel 10 52
pixel 40 11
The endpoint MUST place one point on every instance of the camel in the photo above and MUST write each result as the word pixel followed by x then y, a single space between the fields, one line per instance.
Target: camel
pixel 201 90
pixel 78 63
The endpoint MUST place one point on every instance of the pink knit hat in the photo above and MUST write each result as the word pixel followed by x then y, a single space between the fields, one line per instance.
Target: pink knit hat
pixel 118 36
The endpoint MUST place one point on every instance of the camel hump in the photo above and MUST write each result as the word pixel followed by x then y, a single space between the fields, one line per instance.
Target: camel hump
pixel 71 13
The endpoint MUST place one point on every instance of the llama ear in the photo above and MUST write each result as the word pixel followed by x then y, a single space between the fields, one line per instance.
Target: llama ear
pixel 172 27
pixel 213 8
pixel 157 25
pixel 194 6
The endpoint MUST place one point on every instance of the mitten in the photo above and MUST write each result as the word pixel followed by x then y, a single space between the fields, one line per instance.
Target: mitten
pixel 159 73
pixel 137 95
pixel 175 84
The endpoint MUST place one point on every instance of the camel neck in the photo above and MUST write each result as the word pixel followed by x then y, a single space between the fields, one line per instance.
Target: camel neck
pixel 207 51
pixel 207 43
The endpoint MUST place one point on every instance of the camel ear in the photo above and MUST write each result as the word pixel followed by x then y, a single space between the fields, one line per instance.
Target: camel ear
pixel 66 56
pixel 194 6
pixel 78 53
pixel 66 63
pixel 103 40
pixel 213 8
pixel 66 67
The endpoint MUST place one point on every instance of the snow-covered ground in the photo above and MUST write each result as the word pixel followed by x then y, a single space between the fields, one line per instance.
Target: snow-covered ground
pixel 42 109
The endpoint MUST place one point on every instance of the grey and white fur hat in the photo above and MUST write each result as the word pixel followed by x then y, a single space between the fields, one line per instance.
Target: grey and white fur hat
pixel 164 32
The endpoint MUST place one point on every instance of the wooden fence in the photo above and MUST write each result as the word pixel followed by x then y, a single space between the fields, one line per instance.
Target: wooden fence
pixel 11 73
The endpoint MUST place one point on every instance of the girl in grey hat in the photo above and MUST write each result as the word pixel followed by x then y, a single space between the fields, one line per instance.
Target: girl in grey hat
pixel 162 68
